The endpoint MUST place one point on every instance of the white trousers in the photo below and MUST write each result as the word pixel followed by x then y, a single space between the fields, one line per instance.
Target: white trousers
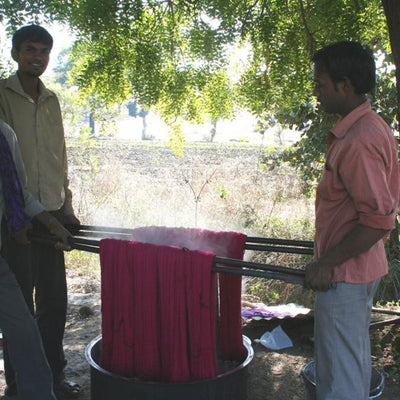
pixel 342 343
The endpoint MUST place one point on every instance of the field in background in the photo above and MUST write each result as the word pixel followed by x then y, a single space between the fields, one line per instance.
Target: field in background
pixel 216 186
pixel 219 186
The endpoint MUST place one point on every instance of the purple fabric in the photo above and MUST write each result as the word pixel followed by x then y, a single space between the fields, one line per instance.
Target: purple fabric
pixel 12 190
pixel 257 312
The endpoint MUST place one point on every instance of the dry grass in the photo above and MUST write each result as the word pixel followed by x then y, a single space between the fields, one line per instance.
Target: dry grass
pixel 220 187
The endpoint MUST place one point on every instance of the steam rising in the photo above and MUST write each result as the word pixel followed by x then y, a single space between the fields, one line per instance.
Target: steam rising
pixel 190 238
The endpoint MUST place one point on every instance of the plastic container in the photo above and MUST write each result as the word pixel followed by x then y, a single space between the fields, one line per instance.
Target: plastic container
pixel 230 383
pixel 377 381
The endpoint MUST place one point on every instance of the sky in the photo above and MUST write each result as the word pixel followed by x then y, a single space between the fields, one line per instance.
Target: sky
pixel 62 37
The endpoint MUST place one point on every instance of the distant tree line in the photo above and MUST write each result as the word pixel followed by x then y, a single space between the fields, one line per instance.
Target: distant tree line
pixel 176 55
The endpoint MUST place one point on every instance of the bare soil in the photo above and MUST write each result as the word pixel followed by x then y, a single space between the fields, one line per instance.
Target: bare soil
pixel 272 374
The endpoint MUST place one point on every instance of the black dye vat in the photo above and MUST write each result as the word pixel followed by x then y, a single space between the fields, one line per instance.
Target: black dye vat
pixel 376 389
pixel 229 384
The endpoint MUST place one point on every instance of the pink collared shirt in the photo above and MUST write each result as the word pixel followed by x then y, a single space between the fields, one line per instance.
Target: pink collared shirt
pixel 360 185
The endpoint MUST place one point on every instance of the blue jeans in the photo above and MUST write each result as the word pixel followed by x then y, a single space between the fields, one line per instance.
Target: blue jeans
pixel 34 379
pixel 342 344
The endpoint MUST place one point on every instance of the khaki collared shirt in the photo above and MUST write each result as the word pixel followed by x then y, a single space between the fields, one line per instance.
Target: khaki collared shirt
pixel 360 185
pixel 40 134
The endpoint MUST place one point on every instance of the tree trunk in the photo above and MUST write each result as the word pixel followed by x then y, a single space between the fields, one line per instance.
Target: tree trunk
pixel 91 124
pixel 392 13
pixel 213 130
pixel 144 128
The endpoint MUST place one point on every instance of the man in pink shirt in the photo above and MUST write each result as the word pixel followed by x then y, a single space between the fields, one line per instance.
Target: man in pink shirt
pixel 356 207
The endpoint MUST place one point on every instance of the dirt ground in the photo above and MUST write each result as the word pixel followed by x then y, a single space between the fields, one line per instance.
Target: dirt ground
pixel 272 374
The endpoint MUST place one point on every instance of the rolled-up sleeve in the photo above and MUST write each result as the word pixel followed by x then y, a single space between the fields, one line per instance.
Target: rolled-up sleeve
pixel 370 183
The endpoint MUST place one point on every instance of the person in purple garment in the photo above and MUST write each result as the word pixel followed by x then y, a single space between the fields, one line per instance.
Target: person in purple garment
pixel 33 375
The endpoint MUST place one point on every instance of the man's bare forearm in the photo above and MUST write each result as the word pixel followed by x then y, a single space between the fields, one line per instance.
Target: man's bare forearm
pixel 319 273
pixel 359 240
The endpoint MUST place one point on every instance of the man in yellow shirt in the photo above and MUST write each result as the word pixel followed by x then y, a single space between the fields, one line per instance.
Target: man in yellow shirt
pixel 33 111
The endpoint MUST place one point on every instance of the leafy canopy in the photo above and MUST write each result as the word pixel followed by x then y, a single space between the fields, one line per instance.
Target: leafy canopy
pixel 175 55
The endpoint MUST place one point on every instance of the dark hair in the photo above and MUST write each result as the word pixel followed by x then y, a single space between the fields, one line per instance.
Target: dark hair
pixel 348 60
pixel 33 33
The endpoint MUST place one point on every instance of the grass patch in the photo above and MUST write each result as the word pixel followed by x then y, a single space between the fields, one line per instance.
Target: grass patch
pixel 213 186
pixel 86 266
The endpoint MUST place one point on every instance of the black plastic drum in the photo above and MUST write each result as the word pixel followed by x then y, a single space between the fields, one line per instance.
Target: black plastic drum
pixel 230 383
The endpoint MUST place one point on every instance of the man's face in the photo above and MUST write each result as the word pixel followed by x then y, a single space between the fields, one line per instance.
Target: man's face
pixel 32 58
pixel 329 95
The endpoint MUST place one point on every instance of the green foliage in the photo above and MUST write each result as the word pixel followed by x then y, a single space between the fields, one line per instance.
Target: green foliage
pixel 265 294
pixel 307 154
pixel 5 62
pixel 64 65
pixel 218 99
pixel 223 194
pixel 17 12
pixel 384 98
pixel 84 264
pixel 73 112
pixel 174 54
pixel 394 371
pixel 107 74
pixel 277 85
pixel 176 138
pixel 389 287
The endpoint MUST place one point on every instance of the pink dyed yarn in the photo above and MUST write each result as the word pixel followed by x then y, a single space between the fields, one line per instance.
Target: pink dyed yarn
pixel 159 306
pixel 158 311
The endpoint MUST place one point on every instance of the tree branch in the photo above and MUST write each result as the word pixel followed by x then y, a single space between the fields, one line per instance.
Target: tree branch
pixel 309 36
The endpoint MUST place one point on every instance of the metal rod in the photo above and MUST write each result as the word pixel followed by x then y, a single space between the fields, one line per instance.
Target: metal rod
pixel 89 242
pixel 221 260
pixel 222 264
pixel 261 274
pixel 301 247
pixel 91 228
pixel 289 275
pixel 385 311
pixel 384 322
pixel 250 239
pixel 289 242
pixel 263 267
pixel 49 240
pixel 101 235
pixel 279 249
